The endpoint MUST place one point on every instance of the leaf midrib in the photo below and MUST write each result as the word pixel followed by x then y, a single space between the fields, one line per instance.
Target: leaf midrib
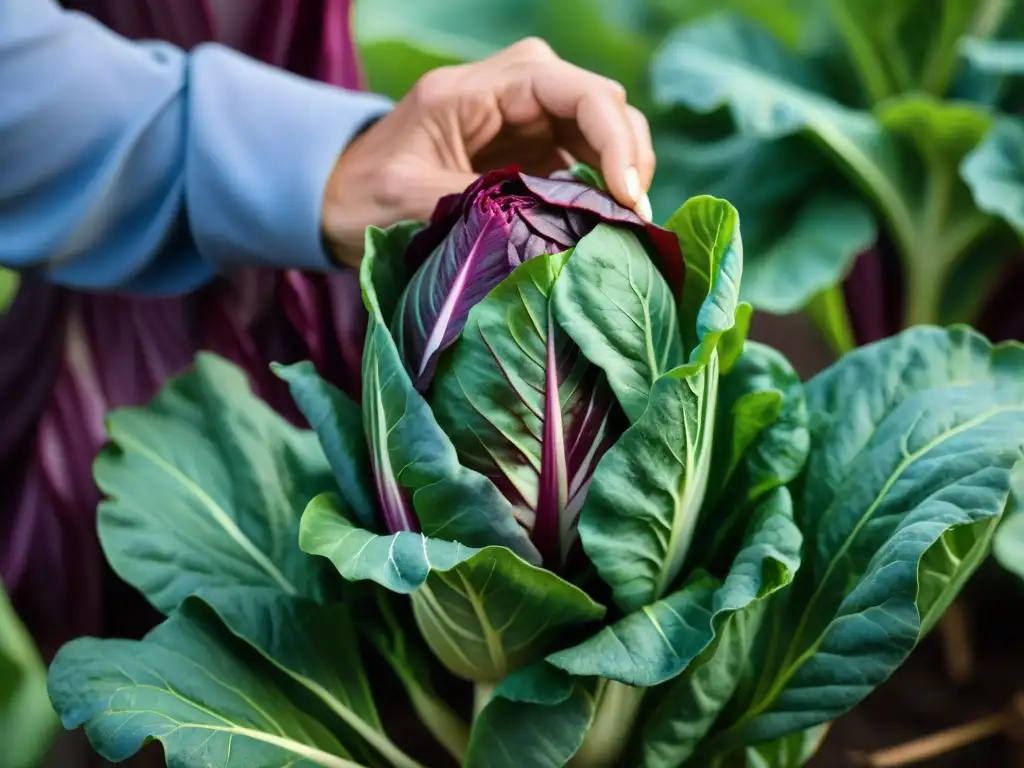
pixel 218 513
pixel 313 754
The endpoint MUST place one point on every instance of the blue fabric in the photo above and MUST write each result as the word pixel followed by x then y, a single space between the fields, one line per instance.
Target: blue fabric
pixel 141 168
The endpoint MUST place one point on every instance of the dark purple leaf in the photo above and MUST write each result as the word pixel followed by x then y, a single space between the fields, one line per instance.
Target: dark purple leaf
pixel 469 263
pixel 583 197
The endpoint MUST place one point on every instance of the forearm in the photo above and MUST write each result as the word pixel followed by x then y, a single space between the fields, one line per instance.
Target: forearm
pixel 146 169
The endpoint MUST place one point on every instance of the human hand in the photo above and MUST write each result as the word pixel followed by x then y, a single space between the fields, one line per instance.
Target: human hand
pixel 522 106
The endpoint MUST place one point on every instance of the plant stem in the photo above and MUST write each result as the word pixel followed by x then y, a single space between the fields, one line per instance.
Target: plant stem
pixel 923 294
pixel 827 309
pixel 482 693
pixel 444 725
pixel 617 709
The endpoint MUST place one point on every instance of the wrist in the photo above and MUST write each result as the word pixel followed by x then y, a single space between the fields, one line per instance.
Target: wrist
pixel 341 229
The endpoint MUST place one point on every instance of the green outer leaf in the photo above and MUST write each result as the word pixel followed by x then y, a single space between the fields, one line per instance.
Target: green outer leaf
pixel 413 452
pixel 316 646
pixel 538 717
pixel 645 496
pixel 207 698
pixel 584 173
pixel 338 423
pixel 730 348
pixel 205 487
pixel 613 302
pixel 994 172
pixel 483 612
pixel 9 282
pixel 915 442
pixel 761 443
pixel 794 750
pixel 657 642
pixel 688 706
pixel 708 230
pixel 27 721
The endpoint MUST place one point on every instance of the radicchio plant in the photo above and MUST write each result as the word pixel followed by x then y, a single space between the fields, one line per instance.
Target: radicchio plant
pixel 561 405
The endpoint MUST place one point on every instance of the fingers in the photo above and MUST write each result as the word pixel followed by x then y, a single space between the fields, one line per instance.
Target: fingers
pixel 645 161
pixel 615 136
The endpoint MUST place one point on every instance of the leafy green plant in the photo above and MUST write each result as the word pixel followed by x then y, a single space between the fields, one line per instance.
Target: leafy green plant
pixel 577 518
pixel 27 723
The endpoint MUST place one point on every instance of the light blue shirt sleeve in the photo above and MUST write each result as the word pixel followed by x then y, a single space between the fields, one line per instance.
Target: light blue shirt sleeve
pixel 141 168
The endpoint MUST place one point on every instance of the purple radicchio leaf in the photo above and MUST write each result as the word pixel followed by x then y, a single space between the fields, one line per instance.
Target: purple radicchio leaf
pixel 475 240
pixel 433 309
pixel 577 196
pixel 524 407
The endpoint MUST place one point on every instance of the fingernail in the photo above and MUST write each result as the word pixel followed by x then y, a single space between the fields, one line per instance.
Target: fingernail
pixel 643 208
pixel 632 179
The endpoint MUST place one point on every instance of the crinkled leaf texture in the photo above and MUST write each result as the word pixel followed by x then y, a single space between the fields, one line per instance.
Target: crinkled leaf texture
pixel 205 489
pixel 523 406
pixel 483 612
pixel 916 443
pixel 716 654
pixel 243 677
pixel 646 494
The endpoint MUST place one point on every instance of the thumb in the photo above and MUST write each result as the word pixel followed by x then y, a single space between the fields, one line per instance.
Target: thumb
pixel 423 191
